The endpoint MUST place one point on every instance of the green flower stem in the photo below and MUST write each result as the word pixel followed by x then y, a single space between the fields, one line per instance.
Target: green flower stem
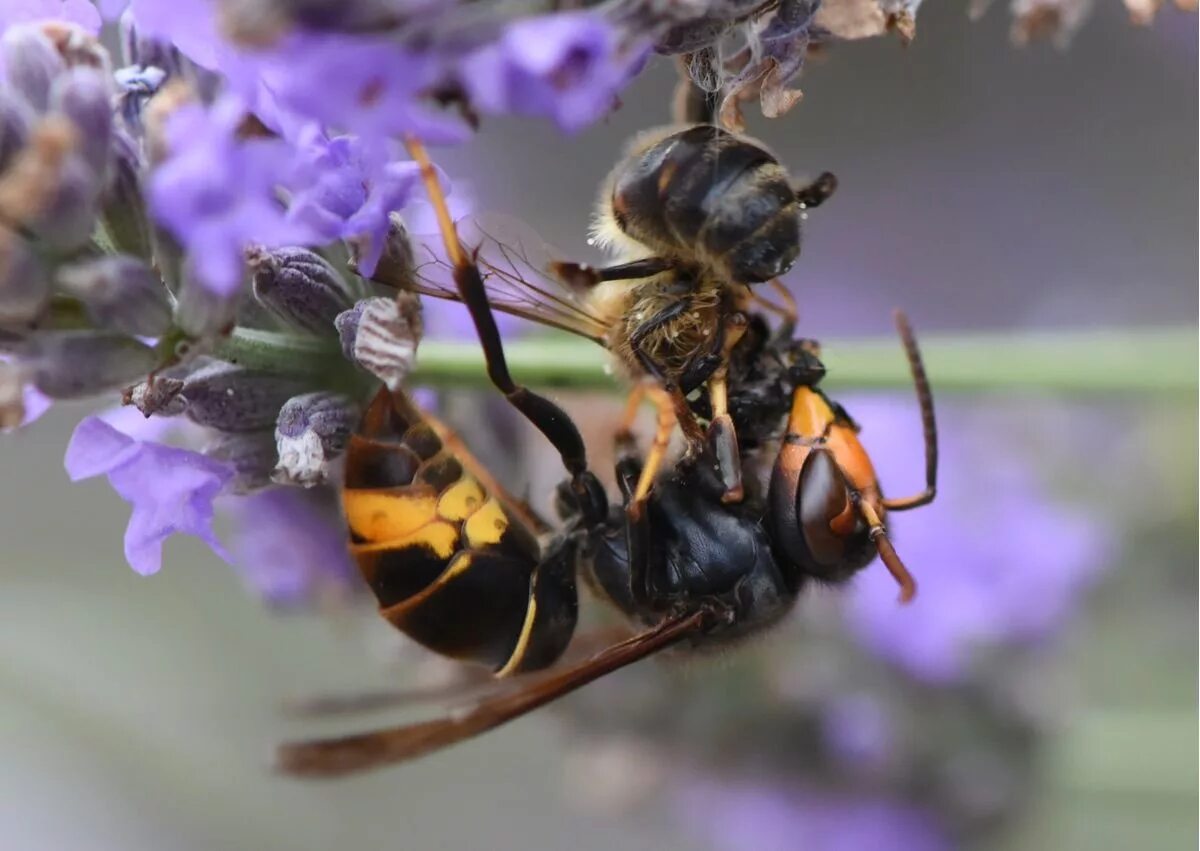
pixel 1159 361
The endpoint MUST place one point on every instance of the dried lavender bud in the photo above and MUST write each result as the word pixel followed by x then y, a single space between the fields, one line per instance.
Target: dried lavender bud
pixel 120 293
pixel 299 287
pixel 122 208
pixel 75 364
pixel 252 456
pixel 24 288
pixel 161 396
pixel 84 97
pixel 381 336
pixel 16 118
pixel 31 64
pixel 230 398
pixel 311 431
pixel 396 264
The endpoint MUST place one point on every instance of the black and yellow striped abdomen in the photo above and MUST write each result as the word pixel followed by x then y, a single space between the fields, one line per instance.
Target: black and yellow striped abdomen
pixel 448 563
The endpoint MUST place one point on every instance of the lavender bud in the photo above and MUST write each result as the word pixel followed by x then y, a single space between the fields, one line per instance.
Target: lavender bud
pixel 122 210
pixel 16 118
pixel 24 288
pixel 396 264
pixel 201 313
pixel 77 46
pixel 69 215
pixel 231 398
pixel 31 63
pixel 74 364
pixel 311 431
pixel 120 293
pixel 160 396
pixel 252 456
pixel 12 395
pixel 381 336
pixel 83 96
pixel 299 287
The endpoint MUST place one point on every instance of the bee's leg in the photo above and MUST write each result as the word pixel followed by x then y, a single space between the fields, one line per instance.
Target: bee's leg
pixel 683 412
pixel 581 276
pixel 630 468
pixel 548 417
pixel 788 311
pixel 455 445
pixel 928 420
pixel 721 436
pixel 691 104
pixel 818 192
pixel 665 403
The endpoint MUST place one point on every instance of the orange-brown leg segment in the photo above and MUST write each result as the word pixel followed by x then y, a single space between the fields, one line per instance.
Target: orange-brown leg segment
pixel 722 438
pixel 887 553
pixel 664 427
pixel 928 420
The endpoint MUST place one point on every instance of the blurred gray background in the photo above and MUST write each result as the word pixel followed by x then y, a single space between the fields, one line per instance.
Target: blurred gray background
pixel 982 186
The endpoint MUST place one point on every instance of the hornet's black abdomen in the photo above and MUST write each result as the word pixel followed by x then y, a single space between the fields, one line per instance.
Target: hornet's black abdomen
pixel 447 562
pixel 699 549
pixel 706 192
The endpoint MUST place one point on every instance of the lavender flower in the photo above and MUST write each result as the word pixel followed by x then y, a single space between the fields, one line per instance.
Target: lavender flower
pixel 216 193
pixel 290 547
pixel 171 490
pixel 80 12
pixel 569 66
pixel 347 191
pixel 1007 567
pixel 383 87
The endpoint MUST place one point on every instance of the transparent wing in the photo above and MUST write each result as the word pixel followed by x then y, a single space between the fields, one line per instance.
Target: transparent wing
pixel 515 266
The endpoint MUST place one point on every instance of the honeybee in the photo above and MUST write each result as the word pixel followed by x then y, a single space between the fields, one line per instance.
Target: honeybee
pixel 694 217
pixel 472 573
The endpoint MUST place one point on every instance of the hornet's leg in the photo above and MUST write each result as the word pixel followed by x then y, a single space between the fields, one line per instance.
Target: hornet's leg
pixel 548 417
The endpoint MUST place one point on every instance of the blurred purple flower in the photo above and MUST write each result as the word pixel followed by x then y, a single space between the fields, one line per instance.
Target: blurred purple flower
pixel 191 25
pixel 998 561
pixel 216 192
pixel 754 816
pixel 80 12
pixel 171 490
pixel 569 66
pixel 857 730
pixel 370 86
pixel 290 547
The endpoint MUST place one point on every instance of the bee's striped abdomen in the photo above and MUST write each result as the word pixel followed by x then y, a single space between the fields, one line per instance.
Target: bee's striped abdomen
pixel 447 562
pixel 708 191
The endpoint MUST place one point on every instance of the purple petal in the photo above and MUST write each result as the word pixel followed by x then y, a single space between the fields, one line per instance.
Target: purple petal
pixel 171 490
pixel 290 546
pixel 79 12
pixel 96 447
